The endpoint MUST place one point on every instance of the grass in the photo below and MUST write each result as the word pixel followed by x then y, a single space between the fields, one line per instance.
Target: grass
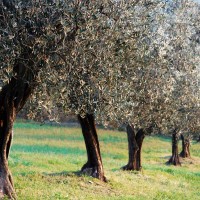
pixel 44 161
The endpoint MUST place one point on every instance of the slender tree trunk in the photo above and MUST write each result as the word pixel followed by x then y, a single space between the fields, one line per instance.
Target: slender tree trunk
pixel 139 138
pixel 12 98
pixel 93 166
pixel 175 155
pixel 185 153
pixel 198 140
pixel 134 148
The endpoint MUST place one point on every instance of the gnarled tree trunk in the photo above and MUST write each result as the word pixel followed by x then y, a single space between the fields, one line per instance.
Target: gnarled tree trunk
pixel 185 153
pixel 93 166
pixel 175 155
pixel 134 148
pixel 12 98
pixel 7 118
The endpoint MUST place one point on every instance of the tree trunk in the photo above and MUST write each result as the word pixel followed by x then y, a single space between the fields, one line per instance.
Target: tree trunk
pixel 175 156
pixel 6 183
pixel 12 98
pixel 198 140
pixel 139 138
pixel 93 166
pixel 134 148
pixel 185 153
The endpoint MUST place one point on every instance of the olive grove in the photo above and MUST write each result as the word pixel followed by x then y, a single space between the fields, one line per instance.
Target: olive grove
pixel 147 74
pixel 130 62
pixel 167 93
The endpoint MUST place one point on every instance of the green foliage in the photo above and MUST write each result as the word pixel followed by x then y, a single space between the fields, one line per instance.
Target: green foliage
pixel 45 162
pixel 122 61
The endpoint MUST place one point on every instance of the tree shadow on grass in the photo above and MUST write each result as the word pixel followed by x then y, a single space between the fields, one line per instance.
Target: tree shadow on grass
pixel 65 174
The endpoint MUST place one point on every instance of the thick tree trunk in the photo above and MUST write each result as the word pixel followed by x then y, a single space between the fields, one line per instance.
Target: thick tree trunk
pixel 134 148
pixel 175 155
pixel 93 166
pixel 6 183
pixel 12 98
pixel 185 153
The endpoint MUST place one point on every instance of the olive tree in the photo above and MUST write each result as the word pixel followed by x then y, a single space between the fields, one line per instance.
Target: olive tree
pixel 35 38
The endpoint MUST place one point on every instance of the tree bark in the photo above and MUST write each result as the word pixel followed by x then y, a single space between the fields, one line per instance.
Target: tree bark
pixel 139 138
pixel 134 148
pixel 93 166
pixel 12 98
pixel 6 183
pixel 175 155
pixel 185 153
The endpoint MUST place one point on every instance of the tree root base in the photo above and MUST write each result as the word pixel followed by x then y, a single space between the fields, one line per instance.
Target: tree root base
pixel 130 167
pixel 174 161
pixel 93 171
pixel 6 189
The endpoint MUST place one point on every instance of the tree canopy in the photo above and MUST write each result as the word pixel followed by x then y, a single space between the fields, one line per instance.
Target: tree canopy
pixel 122 60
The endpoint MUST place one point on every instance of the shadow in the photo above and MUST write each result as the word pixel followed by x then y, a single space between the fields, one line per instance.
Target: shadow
pixel 46 149
pixel 70 174
pixel 73 174
pixel 64 174
pixel 57 137
pixel 163 138
pixel 127 171
pixel 49 149
pixel 112 139
pixel 168 163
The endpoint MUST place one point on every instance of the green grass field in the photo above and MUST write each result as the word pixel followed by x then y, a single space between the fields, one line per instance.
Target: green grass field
pixel 44 161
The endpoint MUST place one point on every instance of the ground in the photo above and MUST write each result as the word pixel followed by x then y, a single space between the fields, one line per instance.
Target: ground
pixel 45 162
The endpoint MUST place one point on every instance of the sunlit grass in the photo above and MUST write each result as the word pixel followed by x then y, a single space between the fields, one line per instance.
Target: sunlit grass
pixel 45 160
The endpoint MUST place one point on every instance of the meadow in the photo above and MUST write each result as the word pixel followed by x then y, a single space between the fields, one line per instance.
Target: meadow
pixel 45 163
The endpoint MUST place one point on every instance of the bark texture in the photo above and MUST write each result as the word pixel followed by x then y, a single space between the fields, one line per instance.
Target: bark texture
pixel 185 153
pixel 134 148
pixel 175 160
pixel 12 98
pixel 93 167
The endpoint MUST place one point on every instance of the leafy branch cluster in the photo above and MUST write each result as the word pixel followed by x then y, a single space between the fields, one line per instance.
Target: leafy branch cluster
pixel 124 61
